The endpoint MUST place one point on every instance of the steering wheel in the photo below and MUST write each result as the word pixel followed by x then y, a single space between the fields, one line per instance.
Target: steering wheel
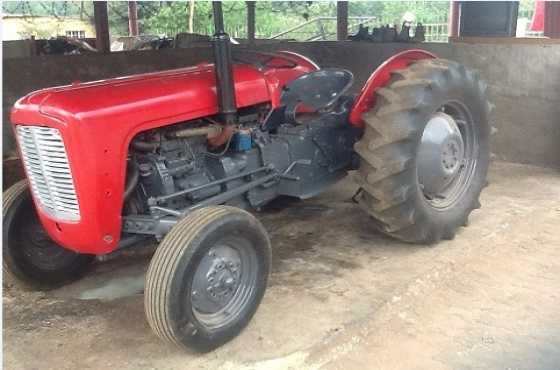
pixel 315 91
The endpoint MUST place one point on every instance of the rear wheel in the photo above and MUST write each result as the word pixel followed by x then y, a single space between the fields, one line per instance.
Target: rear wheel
pixel 425 151
pixel 30 256
pixel 207 277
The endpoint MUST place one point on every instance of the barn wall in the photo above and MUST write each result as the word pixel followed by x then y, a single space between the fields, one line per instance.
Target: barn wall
pixel 523 80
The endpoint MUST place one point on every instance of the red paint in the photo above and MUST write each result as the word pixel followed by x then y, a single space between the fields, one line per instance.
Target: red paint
pixel 379 78
pixel 98 120
pixel 537 23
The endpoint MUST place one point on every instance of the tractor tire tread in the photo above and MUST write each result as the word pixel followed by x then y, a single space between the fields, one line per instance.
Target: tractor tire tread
pixel 14 273
pixel 179 244
pixel 387 149
pixel 9 197
pixel 164 263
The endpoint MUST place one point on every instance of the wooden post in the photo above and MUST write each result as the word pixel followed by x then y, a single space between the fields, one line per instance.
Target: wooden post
pixel 101 27
pixel 33 46
pixel 453 29
pixel 132 19
pixel 341 20
pixel 250 20
pixel 552 19
pixel 191 16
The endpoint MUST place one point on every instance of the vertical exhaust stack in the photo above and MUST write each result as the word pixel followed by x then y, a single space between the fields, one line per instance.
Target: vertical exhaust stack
pixel 223 66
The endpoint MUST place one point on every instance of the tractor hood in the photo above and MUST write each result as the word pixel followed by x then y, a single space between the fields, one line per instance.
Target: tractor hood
pixel 171 96
pixel 154 99
pixel 98 120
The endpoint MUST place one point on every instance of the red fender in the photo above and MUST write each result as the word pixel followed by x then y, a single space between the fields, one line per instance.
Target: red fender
pixel 379 78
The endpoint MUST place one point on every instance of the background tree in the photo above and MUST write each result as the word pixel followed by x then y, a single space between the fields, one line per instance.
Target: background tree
pixel 272 17
pixel 117 11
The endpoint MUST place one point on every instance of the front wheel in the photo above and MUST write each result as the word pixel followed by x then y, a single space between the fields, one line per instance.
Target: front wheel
pixel 31 258
pixel 425 151
pixel 207 277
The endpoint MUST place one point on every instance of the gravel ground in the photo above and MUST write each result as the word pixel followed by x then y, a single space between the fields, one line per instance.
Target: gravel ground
pixel 341 296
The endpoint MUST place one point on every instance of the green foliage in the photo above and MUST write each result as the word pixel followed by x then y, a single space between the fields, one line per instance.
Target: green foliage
pixel 117 11
pixel 424 11
pixel 173 17
pixel 526 6
pixel 272 17
pixel 44 8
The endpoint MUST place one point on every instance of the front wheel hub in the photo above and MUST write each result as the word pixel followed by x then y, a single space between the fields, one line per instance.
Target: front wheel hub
pixel 216 279
pixel 440 155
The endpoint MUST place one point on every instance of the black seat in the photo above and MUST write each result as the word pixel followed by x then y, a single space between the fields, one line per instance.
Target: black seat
pixel 315 91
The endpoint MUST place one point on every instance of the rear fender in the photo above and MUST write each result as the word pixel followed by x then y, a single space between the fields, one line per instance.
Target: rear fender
pixel 379 78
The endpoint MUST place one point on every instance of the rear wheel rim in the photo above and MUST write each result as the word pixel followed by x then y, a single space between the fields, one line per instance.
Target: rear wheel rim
pixel 447 155
pixel 224 282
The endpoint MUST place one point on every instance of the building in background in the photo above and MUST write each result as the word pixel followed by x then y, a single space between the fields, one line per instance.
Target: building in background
pixel 21 27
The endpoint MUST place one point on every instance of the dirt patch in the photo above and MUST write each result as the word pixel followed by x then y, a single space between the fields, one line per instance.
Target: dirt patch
pixel 341 295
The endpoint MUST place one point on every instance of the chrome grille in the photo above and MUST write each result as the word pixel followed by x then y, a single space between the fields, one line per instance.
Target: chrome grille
pixel 48 171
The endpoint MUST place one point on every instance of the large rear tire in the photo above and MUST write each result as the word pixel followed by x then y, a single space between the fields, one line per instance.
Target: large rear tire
pixel 31 259
pixel 425 151
pixel 207 277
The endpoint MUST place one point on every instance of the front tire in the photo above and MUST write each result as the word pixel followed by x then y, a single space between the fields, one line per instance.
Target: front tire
pixel 207 277
pixel 425 151
pixel 31 259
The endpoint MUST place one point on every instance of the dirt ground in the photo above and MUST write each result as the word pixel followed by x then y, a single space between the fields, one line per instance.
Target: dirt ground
pixel 341 296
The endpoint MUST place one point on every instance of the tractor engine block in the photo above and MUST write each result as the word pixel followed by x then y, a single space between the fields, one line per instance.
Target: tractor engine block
pixel 176 171
pixel 177 165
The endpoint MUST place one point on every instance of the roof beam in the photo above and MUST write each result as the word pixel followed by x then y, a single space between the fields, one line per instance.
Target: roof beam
pixel 132 19
pixel 453 18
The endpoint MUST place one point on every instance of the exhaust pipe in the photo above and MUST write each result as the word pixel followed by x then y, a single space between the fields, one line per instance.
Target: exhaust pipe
pixel 223 67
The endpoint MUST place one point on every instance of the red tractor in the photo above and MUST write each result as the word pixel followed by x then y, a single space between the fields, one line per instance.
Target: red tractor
pixel 177 156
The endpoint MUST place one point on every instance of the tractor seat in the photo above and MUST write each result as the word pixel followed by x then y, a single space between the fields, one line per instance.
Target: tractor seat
pixel 315 91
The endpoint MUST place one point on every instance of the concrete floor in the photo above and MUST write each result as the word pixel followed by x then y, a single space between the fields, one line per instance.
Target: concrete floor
pixel 341 296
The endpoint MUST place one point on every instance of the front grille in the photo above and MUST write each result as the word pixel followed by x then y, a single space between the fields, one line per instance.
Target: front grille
pixel 48 171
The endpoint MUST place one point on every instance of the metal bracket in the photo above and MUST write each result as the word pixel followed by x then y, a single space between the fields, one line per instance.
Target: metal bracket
pixel 285 175
pixel 148 225
pixel 157 200
pixel 158 226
